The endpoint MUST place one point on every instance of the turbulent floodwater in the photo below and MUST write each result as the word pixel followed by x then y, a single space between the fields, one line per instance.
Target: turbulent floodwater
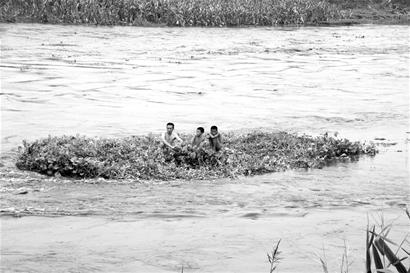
pixel 121 81
pixel 124 80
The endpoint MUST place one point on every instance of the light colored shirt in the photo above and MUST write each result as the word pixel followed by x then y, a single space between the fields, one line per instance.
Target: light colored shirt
pixel 171 139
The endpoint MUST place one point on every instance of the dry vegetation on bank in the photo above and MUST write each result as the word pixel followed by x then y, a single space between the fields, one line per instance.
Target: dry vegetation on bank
pixel 215 13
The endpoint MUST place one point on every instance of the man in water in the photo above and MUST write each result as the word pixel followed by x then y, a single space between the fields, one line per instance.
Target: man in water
pixel 215 139
pixel 170 138
pixel 198 139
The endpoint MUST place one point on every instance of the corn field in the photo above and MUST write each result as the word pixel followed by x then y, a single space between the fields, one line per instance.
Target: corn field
pixel 214 13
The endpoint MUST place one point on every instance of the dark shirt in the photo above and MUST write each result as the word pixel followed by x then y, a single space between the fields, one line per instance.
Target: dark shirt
pixel 215 142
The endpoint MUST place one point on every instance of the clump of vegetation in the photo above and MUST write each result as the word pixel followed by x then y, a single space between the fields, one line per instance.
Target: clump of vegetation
pixel 215 13
pixel 367 11
pixel 382 254
pixel 140 157
pixel 384 258
pixel 354 4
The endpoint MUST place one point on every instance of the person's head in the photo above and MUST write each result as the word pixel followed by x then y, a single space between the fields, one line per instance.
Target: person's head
pixel 214 130
pixel 200 131
pixel 170 127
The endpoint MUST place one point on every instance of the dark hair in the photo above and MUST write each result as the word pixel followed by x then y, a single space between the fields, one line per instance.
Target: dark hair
pixel 170 123
pixel 201 129
pixel 213 127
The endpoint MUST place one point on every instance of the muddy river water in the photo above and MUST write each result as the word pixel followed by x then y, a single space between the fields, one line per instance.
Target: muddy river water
pixel 120 81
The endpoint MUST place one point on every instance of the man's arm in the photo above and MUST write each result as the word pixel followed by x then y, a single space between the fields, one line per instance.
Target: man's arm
pixel 203 142
pixel 178 138
pixel 220 138
pixel 218 143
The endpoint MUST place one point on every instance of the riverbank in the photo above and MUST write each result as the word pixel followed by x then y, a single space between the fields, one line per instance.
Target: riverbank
pixel 208 13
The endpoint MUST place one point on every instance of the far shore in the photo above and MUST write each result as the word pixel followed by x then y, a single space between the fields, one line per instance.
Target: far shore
pixel 392 20
pixel 208 13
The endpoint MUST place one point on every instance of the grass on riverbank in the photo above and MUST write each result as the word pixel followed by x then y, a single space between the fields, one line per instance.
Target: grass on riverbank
pixel 140 157
pixel 216 13
pixel 170 12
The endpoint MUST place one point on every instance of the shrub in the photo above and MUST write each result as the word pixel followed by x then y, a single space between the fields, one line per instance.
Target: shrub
pixel 140 157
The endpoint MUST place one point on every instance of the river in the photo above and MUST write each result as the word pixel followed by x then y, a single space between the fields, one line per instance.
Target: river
pixel 121 81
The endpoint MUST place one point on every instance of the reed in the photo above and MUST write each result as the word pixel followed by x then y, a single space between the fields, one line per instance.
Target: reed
pixel 384 258
pixel 273 257
pixel 380 257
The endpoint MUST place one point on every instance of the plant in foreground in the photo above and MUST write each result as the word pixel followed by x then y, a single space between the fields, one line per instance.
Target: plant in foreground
pixel 378 245
pixel 380 258
pixel 273 257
